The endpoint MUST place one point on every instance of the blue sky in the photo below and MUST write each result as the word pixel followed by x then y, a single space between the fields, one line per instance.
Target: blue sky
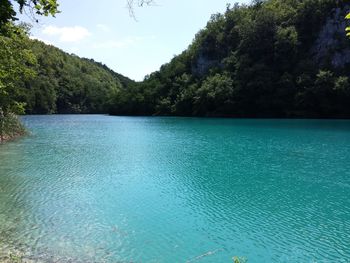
pixel 103 30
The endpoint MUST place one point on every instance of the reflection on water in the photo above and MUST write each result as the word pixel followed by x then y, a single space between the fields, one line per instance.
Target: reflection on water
pixel 107 189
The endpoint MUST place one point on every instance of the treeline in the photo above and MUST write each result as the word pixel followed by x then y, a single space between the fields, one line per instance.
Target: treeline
pixel 42 79
pixel 65 83
pixel 274 58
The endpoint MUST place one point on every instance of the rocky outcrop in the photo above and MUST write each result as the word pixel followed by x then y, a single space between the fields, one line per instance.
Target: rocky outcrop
pixel 10 127
pixel 203 63
pixel 332 47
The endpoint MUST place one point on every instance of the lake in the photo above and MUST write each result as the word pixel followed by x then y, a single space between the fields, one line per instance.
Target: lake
pixel 95 188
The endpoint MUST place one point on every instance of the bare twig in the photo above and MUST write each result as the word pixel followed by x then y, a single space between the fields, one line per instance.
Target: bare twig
pixel 131 4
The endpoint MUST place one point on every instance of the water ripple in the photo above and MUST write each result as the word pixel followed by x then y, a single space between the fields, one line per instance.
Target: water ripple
pixel 110 189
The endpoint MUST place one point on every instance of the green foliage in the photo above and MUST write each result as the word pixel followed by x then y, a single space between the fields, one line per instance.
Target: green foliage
pixel 252 61
pixel 10 126
pixel 256 60
pixel 39 7
pixel 68 84
pixel 16 62
pixel 38 78
pixel 215 95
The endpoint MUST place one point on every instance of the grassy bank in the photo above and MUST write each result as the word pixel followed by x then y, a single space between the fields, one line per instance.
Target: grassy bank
pixel 10 127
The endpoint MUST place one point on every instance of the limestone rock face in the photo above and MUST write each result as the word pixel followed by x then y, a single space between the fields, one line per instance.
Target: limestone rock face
pixel 203 64
pixel 332 47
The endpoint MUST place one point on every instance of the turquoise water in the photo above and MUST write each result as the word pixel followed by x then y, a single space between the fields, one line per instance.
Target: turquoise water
pixel 120 189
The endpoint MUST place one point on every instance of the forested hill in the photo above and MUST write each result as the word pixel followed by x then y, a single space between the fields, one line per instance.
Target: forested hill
pixel 274 58
pixel 65 83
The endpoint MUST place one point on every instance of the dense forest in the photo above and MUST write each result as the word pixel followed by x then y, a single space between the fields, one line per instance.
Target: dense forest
pixel 274 58
pixel 36 78
pixel 47 80
pixel 65 83
pixel 40 79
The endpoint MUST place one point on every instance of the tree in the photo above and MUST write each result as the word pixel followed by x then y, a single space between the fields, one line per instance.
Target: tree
pixel 15 66
pixel 254 60
pixel 215 94
pixel 15 62
pixel 46 8
pixel 34 7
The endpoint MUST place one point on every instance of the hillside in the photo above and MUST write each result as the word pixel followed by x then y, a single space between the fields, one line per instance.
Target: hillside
pixel 275 58
pixel 65 83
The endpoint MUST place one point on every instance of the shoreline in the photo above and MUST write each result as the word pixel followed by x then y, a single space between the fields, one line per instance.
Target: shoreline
pixel 8 138
pixel 11 128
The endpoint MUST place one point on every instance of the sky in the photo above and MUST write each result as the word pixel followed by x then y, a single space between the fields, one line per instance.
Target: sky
pixel 105 31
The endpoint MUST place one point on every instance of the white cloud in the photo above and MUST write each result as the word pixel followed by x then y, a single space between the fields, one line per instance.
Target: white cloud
pixel 67 34
pixel 47 42
pixel 123 43
pixel 103 28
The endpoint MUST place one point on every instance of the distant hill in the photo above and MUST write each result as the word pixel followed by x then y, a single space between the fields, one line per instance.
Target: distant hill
pixel 274 58
pixel 65 83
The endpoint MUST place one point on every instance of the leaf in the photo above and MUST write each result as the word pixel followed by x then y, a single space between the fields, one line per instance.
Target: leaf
pixel 348 16
pixel 37 6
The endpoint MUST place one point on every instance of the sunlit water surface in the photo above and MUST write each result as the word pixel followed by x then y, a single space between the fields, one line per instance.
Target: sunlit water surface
pixel 119 189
